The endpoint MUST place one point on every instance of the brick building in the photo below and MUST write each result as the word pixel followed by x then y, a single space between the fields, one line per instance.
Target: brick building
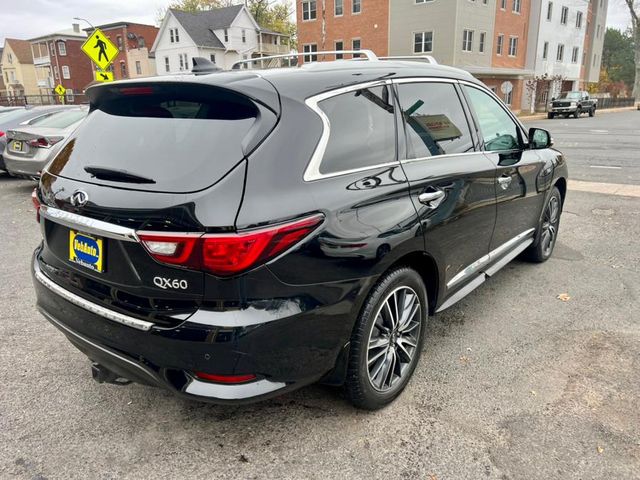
pixel 134 40
pixel 343 25
pixel 58 59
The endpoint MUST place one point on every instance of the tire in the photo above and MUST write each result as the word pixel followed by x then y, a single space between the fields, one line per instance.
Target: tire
pixel 550 115
pixel 577 113
pixel 382 358
pixel 592 112
pixel 547 232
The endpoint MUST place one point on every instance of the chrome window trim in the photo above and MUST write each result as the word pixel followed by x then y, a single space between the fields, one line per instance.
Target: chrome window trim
pixel 87 224
pixel 422 159
pixel 488 258
pixel 90 306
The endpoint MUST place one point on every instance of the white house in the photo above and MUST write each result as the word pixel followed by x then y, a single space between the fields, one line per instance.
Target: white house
pixel 223 35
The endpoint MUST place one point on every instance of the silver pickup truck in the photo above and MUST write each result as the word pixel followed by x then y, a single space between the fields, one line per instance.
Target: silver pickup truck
pixel 572 103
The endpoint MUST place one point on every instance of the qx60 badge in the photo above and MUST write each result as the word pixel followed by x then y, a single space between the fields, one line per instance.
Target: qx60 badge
pixel 168 283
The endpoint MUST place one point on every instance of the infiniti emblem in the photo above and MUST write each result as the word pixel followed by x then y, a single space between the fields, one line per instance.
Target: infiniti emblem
pixel 79 198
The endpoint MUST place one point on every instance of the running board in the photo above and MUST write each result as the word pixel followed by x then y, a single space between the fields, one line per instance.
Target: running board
pixel 482 277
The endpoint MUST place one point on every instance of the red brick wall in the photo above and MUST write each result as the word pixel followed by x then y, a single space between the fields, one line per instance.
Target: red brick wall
pixel 148 32
pixel 511 24
pixel 371 26
pixel 79 65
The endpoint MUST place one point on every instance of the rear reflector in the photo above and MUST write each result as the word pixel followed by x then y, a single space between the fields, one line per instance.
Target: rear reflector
pixel 228 379
pixel 228 254
pixel 36 203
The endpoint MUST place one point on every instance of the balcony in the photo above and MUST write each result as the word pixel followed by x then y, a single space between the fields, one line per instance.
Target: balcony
pixel 271 49
pixel 41 60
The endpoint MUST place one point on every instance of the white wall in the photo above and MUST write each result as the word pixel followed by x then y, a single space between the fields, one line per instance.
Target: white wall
pixel 165 48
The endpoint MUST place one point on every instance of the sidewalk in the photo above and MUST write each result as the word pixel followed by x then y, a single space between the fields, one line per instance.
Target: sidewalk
pixel 537 116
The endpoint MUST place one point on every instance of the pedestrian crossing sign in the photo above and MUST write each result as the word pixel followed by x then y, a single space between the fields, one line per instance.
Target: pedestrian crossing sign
pixel 100 49
pixel 104 76
pixel 60 90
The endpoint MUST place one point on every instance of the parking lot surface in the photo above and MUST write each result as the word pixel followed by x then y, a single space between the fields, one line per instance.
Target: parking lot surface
pixel 532 376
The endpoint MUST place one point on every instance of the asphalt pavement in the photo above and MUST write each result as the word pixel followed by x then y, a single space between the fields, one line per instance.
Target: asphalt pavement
pixel 535 375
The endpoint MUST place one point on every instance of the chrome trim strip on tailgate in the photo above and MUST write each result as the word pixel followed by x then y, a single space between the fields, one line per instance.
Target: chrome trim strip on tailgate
pixel 88 225
pixel 90 306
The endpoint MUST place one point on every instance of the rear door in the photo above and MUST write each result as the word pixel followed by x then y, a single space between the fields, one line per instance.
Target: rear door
pixel 518 169
pixel 452 182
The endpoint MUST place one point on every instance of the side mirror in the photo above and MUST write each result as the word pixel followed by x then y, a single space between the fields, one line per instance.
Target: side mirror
pixel 539 139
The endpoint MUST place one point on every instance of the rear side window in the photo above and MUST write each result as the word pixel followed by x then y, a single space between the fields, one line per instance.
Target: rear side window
pixel 435 122
pixel 183 139
pixel 362 130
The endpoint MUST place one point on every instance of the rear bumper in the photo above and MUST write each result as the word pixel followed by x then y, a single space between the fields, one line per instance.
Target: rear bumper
pixel 285 353
pixel 28 168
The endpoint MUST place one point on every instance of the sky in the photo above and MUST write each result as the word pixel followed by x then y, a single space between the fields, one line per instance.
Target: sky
pixel 31 18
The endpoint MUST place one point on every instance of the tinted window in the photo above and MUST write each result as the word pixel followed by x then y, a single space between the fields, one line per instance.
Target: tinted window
pixel 185 139
pixel 62 119
pixel 499 131
pixel 434 118
pixel 362 130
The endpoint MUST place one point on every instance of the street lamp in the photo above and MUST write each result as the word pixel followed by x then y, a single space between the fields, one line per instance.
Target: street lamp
pixel 84 20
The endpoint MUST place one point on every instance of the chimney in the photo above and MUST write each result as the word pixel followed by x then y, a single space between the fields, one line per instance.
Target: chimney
pixel 76 27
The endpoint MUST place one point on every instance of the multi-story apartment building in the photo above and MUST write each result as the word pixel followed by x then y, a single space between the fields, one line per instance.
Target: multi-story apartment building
pixel 17 68
pixel 58 59
pixel 343 25
pixel 506 43
pixel 134 41
pixel 223 35
pixel 594 40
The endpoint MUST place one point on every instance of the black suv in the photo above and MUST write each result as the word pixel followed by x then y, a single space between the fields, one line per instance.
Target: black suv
pixel 236 235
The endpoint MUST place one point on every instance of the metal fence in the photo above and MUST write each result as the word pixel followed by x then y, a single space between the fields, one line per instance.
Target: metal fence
pixel 616 102
pixel 17 101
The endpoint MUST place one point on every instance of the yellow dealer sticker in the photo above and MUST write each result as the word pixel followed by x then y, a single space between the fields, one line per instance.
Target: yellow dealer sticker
pixel 86 250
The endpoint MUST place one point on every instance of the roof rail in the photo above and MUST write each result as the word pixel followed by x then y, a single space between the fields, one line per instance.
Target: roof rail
pixel 414 58
pixel 366 53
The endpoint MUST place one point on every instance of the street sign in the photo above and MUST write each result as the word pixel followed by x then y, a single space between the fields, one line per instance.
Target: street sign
pixel 60 90
pixel 506 87
pixel 104 76
pixel 100 49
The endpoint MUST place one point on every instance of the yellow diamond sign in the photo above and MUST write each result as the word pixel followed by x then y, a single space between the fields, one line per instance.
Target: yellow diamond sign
pixel 60 90
pixel 100 49
pixel 104 76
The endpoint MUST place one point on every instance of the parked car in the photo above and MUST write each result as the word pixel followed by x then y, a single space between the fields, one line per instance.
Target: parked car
pixel 21 116
pixel 572 103
pixel 193 224
pixel 31 147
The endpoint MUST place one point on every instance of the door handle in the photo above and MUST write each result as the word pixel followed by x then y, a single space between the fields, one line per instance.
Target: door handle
pixel 431 199
pixel 504 181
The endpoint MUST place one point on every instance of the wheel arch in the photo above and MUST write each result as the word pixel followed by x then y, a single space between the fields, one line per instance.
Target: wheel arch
pixel 561 183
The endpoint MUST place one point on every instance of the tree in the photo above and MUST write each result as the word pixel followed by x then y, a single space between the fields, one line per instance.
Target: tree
pixel 618 57
pixel 634 11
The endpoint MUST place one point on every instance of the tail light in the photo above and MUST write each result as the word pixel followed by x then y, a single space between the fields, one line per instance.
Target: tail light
pixel 43 142
pixel 229 379
pixel 1 134
pixel 36 203
pixel 227 254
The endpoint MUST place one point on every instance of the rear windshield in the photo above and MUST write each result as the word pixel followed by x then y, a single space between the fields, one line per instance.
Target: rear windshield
pixel 181 141
pixel 61 119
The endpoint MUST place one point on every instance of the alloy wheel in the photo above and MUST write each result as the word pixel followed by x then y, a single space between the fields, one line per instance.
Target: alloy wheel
pixel 393 339
pixel 550 225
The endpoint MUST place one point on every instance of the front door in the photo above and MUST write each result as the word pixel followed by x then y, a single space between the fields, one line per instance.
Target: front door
pixel 451 180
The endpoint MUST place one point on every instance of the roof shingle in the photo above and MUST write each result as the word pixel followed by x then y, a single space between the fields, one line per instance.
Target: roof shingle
pixel 200 25
pixel 21 49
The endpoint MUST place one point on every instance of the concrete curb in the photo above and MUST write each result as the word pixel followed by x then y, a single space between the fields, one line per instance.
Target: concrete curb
pixel 539 116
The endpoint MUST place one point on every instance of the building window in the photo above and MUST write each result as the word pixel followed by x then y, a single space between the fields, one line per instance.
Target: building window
pixel 482 39
pixel 141 43
pixel 309 11
pixel 119 42
pixel 62 49
pixel 310 48
pixel 356 6
pixel 10 58
pixel 339 47
pixel 503 4
pixel 560 53
pixel 508 97
pixel 575 55
pixel 123 69
pixel 516 6
pixel 549 11
pixel 174 37
pixel 467 40
pixel 52 47
pixel 564 15
pixel 598 31
pixel 545 50
pixel 579 20
pixel 177 35
pixel 356 44
pixel 171 37
pixel 212 57
pixel 56 73
pixel 423 42
pixel 500 44
pixel 339 8
pixel 69 94
pixel 167 68
pixel 513 46
pixel 65 72
pixel 138 67
pixel 184 61
pixel 595 58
